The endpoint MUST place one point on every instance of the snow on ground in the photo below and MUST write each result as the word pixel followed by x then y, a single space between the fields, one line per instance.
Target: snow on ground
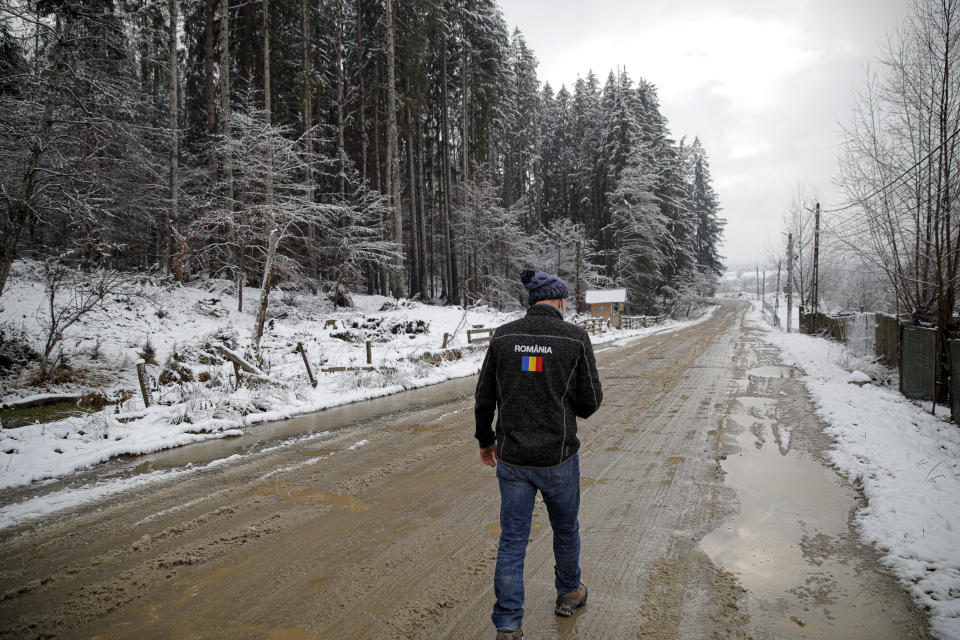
pixel 184 324
pixel 906 462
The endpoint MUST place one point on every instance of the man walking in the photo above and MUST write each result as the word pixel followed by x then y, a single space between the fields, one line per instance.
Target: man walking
pixel 539 375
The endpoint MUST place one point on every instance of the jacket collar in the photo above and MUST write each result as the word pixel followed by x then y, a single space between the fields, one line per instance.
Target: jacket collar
pixel 544 310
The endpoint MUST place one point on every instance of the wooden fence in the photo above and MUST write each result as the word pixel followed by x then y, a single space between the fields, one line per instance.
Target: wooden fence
pixel 642 322
pixel 593 325
pixel 887 339
pixel 820 324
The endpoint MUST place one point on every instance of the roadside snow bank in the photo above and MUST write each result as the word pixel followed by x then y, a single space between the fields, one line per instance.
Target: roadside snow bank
pixel 907 463
pixel 194 387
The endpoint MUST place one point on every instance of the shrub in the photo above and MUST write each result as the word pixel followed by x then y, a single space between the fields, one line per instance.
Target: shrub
pixel 15 349
pixel 148 353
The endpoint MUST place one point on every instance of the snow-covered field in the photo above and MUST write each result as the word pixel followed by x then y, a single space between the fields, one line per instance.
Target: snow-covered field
pixel 183 324
pixel 905 460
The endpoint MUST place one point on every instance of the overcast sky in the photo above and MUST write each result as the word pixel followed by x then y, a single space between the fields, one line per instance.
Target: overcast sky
pixel 765 84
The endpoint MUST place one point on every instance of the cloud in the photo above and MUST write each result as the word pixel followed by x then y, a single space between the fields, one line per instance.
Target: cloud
pixel 763 83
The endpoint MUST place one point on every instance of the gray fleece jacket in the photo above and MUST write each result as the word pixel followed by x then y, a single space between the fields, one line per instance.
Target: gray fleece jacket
pixel 539 375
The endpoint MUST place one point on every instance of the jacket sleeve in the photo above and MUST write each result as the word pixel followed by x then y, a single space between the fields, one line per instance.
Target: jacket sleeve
pixel 486 400
pixel 589 392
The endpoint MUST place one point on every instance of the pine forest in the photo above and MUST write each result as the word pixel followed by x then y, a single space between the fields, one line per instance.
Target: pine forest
pixel 407 149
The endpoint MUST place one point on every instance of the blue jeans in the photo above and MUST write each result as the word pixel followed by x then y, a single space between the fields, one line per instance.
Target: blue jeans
pixel 560 487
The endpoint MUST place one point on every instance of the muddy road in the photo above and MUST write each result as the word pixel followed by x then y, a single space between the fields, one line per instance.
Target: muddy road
pixel 707 512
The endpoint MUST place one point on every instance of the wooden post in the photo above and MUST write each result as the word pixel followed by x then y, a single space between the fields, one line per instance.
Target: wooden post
pixel 306 363
pixel 789 287
pixel 267 280
pixel 369 353
pixel 936 371
pixel 239 363
pixel 144 382
pixel 446 338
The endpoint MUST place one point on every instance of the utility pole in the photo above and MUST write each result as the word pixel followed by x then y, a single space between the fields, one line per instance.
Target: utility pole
pixel 789 288
pixel 763 290
pixel 758 282
pixel 776 306
pixel 816 260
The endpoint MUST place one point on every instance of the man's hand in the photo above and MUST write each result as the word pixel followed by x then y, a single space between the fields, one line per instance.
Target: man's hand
pixel 488 456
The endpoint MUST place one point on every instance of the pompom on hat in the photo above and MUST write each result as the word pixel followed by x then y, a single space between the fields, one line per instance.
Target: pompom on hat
pixel 543 286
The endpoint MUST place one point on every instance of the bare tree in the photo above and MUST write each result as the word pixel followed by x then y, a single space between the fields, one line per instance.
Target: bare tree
pixel 900 165
pixel 19 206
pixel 70 294
pixel 269 165
pixel 798 221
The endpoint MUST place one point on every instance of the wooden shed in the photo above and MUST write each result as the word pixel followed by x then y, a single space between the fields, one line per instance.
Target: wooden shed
pixel 607 304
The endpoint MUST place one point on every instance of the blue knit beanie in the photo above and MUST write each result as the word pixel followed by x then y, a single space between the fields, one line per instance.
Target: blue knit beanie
pixel 543 286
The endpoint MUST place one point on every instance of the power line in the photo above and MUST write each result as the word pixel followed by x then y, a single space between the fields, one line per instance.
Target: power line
pixel 859 224
pixel 889 184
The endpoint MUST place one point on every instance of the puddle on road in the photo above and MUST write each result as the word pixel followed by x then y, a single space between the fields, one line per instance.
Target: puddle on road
pixel 310 495
pixel 787 543
pixel 319 453
pixel 774 372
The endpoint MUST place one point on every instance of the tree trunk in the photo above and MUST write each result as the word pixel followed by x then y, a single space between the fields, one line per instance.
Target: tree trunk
pixel 267 102
pixel 209 12
pixel 377 161
pixel 453 294
pixel 422 226
pixel 386 280
pixel 341 154
pixel 465 135
pixel 158 246
pixel 578 282
pixel 415 275
pixel 225 132
pixel 307 115
pixel 173 223
pixel 379 269
pixel 19 209
pixel 265 286
pixel 363 102
pixel 393 170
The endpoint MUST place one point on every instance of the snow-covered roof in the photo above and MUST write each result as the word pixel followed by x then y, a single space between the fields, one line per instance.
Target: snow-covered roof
pixel 606 295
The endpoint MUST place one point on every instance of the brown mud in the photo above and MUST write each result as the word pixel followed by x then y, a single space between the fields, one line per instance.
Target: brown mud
pixel 398 538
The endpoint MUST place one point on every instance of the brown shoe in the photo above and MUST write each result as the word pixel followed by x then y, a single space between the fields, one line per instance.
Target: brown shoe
pixel 510 634
pixel 568 603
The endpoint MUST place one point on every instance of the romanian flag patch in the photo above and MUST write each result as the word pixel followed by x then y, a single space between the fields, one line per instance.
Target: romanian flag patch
pixel 531 363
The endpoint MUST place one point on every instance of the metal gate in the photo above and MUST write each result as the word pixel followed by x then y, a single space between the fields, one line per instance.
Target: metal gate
pixel 918 362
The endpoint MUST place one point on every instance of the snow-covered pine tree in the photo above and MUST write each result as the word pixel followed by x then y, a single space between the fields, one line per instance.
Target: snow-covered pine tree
pixel 267 156
pixel 494 245
pixel 640 233
pixel 706 208
pixel 521 133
